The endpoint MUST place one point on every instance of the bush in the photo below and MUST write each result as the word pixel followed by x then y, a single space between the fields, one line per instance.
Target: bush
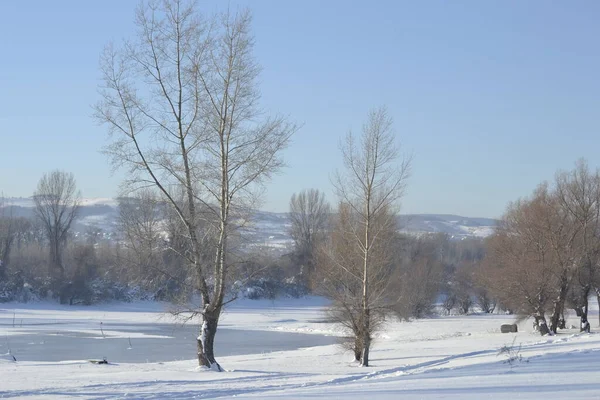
pixel 16 288
pixel 511 353
pixel 268 288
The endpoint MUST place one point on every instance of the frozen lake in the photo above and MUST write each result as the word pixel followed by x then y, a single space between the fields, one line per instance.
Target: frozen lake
pixel 166 342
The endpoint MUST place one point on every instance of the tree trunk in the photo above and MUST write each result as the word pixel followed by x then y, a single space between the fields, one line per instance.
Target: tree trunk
pixel 598 300
pixel 542 325
pixel 559 305
pixel 366 330
pixel 562 324
pixel 56 267
pixel 366 338
pixel 5 256
pixel 357 349
pixel 58 285
pixel 2 270
pixel 584 325
pixel 206 340
pixel 366 348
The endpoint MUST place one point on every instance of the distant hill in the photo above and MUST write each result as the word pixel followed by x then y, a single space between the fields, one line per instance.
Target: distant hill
pixel 270 229
pixel 94 213
pixel 453 225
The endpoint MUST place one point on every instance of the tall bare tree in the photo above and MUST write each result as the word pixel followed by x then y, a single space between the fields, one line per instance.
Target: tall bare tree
pixel 578 193
pixel 56 205
pixel 522 269
pixel 370 187
pixel 555 226
pixel 181 101
pixel 309 216
pixel 547 251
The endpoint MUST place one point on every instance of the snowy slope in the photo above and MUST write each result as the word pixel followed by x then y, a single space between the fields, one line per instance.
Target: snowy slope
pixel 446 357
pixel 453 225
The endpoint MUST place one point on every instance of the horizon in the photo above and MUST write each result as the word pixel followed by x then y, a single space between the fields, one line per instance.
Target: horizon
pixel 106 201
pixel 488 112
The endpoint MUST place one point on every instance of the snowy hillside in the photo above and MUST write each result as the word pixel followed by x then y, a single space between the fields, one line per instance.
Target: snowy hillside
pixel 454 225
pixel 268 228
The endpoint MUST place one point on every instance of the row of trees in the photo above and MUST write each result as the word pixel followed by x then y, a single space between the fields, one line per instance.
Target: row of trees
pixel 406 275
pixel 357 257
pixel 542 259
pixel 545 255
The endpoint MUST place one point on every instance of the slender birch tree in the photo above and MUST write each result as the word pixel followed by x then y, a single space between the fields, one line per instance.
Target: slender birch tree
pixel 369 189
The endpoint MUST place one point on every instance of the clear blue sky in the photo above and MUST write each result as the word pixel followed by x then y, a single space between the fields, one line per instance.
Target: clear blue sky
pixel 491 97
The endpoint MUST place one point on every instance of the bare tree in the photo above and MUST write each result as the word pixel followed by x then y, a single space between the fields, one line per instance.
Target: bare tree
pixel 483 297
pixel 556 226
pixel 462 288
pixel 555 236
pixel 370 188
pixel 578 194
pixel 449 302
pixel 6 239
pixel 520 265
pixel 468 287
pixel 12 229
pixel 309 216
pixel 418 278
pixel 597 289
pixel 140 223
pixel 181 101
pixel 340 271
pixel 56 205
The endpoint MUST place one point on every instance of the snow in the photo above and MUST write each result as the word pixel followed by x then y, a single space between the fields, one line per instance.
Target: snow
pixel 453 357
pixel 99 201
pixel 29 202
pixel 19 201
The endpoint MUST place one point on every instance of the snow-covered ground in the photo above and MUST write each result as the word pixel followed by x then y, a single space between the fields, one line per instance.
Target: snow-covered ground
pixel 452 357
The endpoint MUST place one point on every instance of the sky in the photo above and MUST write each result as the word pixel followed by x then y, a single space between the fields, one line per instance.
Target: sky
pixel 490 97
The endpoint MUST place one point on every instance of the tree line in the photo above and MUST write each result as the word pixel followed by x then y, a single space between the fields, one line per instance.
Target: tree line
pixel 544 256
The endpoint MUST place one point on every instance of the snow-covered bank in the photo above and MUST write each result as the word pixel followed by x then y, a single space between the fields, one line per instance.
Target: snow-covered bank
pixel 446 357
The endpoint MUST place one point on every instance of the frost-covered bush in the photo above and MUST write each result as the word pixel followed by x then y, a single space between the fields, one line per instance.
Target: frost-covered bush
pixel 268 288
pixel 294 287
pixel 17 288
pixel 104 290
pixel 263 288
pixel 6 292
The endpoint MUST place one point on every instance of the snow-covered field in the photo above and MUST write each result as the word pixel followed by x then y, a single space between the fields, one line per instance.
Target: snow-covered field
pixel 452 357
